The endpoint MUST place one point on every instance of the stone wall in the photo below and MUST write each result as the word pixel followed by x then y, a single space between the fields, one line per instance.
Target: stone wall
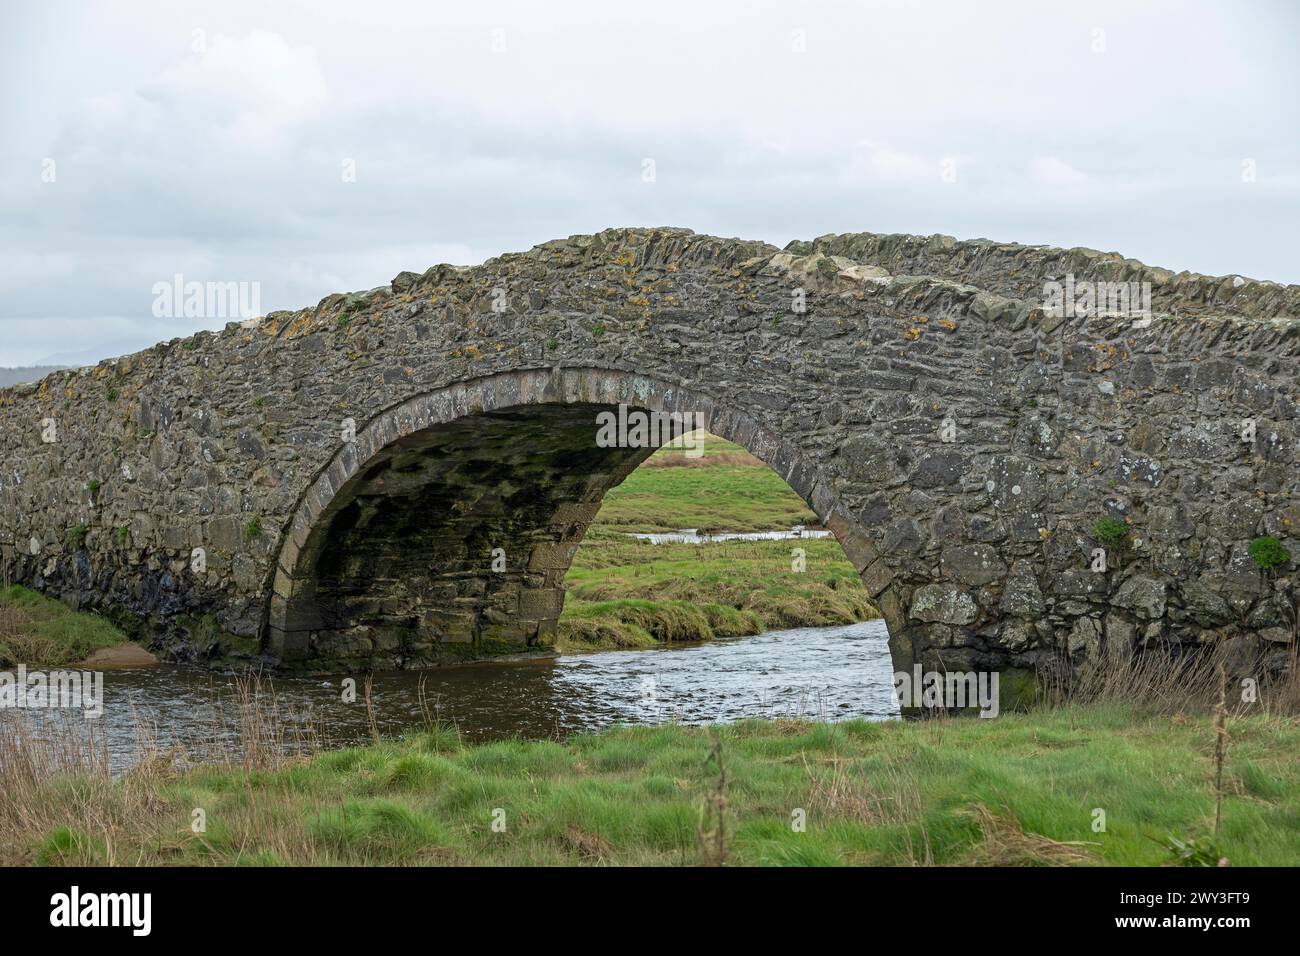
pixel 961 443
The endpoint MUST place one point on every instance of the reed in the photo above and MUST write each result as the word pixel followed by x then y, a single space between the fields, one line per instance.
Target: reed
pixel 1169 679
pixel 58 775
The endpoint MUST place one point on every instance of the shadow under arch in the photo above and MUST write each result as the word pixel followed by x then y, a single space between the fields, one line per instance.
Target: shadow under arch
pixel 341 585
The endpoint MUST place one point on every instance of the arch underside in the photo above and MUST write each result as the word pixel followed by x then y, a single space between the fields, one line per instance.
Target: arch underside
pixel 453 541
pixel 444 533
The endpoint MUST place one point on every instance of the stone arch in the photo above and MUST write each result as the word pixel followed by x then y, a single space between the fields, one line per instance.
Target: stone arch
pixel 528 609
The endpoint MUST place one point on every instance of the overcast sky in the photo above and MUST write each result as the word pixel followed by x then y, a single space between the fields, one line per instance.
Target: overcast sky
pixel 211 139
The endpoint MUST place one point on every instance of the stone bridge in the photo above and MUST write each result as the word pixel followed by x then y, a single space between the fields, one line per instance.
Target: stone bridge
pixel 401 477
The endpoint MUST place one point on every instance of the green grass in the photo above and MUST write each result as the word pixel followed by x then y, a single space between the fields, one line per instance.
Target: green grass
pixel 35 629
pixel 624 592
pixel 1021 789
pixel 735 588
pixel 645 623
pixel 725 489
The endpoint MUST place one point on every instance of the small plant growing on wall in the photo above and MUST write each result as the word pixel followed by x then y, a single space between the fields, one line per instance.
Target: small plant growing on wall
pixel 1111 532
pixel 252 530
pixel 1114 537
pixel 1269 553
pixel 77 536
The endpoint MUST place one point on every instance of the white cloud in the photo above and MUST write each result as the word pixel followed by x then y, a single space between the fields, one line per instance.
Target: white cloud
pixel 880 163
pixel 247 91
pixel 1051 171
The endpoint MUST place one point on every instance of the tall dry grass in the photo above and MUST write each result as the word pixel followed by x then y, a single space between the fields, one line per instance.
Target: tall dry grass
pixel 1160 682
pixel 250 731
pixel 18 638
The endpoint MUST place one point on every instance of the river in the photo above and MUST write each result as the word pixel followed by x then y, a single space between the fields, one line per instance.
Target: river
pixel 828 673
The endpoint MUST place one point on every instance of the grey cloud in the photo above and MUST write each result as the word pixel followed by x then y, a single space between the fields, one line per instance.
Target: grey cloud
pixel 226 165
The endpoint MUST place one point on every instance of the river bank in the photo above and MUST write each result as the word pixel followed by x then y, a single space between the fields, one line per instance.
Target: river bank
pixel 1022 789
pixel 39 631
pixel 624 592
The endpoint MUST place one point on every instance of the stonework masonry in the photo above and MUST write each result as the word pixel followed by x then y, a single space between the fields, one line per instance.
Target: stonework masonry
pixel 400 478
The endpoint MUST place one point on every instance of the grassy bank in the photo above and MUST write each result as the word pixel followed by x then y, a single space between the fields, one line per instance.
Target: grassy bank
pixel 1019 789
pixel 36 630
pixel 624 592
pixel 724 489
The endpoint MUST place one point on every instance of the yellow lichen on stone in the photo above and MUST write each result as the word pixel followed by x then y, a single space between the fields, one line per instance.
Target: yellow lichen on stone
pixel 299 326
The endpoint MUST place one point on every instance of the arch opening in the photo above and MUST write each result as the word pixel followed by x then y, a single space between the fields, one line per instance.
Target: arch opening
pixel 445 532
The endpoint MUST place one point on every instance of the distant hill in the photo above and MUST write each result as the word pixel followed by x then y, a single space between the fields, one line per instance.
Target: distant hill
pixel 15 376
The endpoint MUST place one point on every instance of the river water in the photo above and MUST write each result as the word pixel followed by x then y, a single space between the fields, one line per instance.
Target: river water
pixel 830 673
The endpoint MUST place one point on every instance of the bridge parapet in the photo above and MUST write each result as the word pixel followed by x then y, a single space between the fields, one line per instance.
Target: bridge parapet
pixel 1020 271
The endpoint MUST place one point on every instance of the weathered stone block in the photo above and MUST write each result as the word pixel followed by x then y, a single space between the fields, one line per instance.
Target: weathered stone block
pixel 1021 596
pixel 876 577
pixel 537 604
pixel 557 556
pixel 1143 596
pixel 943 603
pixel 973 565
